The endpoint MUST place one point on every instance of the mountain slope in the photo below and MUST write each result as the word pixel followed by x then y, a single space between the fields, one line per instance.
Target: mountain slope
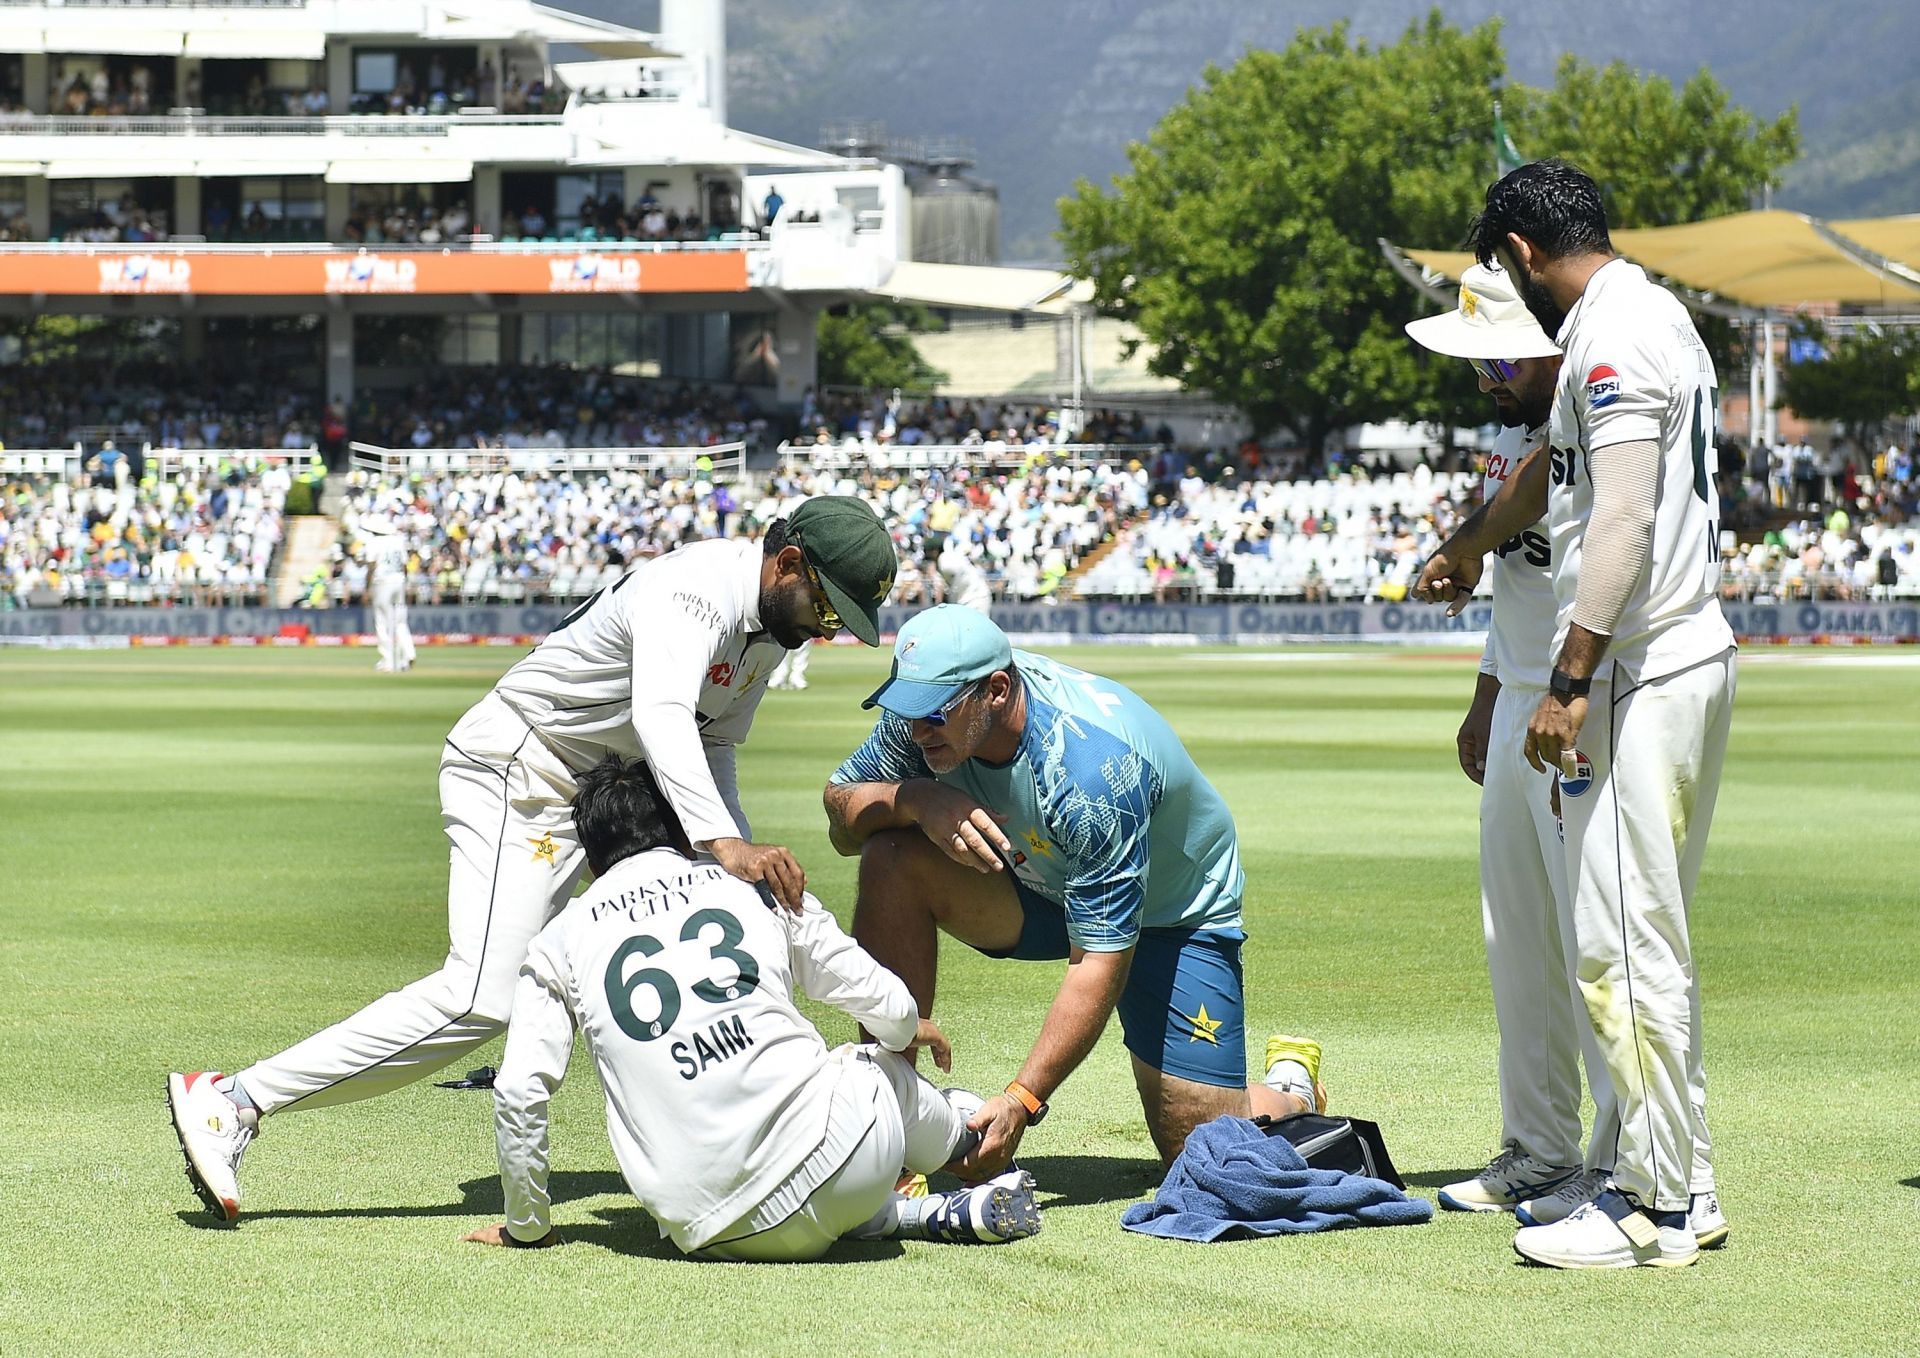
pixel 1050 91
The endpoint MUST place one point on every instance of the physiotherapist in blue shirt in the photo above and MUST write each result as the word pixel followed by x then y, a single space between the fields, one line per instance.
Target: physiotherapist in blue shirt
pixel 1035 811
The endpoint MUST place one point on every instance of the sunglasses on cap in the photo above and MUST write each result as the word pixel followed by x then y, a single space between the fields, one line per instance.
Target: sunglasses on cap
pixel 823 609
pixel 1495 370
pixel 940 716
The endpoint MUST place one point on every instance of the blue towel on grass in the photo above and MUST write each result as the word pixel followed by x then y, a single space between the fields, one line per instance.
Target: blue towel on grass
pixel 1235 1180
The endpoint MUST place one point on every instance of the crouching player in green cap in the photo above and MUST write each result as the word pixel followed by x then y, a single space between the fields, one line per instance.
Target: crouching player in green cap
pixel 1035 811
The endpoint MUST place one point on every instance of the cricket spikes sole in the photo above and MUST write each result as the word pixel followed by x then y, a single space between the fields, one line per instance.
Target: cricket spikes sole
pixel 212 1138
pixel 989 1213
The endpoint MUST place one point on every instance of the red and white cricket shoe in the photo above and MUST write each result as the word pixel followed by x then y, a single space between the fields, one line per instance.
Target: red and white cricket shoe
pixel 212 1138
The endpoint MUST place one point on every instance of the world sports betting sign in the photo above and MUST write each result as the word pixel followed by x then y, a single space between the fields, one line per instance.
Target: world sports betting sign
pixel 367 272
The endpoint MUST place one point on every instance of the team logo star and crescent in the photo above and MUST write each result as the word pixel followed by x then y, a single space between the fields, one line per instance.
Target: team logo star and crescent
pixel 1205 1028
pixel 544 849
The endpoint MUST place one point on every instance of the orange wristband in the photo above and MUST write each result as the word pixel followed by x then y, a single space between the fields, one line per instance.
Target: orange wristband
pixel 1027 1099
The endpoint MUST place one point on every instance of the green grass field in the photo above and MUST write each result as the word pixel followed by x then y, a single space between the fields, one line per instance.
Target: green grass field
pixel 209 854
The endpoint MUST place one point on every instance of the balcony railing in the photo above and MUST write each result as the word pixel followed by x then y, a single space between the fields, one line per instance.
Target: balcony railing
pixel 203 125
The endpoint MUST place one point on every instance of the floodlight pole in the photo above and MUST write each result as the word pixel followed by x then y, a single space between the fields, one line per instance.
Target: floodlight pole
pixel 1769 383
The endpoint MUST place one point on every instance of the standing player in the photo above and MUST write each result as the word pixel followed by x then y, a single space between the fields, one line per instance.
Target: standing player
pixel 1035 811
pixel 667 664
pixel 1523 900
pixel 791 672
pixel 961 580
pixel 1641 695
pixel 388 548
pixel 741 1134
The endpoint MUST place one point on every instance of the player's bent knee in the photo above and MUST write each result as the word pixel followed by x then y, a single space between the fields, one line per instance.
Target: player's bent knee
pixel 897 859
pixel 467 994
pixel 1175 1106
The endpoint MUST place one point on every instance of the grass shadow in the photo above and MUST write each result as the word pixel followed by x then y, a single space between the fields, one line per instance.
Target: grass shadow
pixel 632 1232
pixel 1440 1178
pixel 1914 1182
pixel 1087 1180
pixel 478 1197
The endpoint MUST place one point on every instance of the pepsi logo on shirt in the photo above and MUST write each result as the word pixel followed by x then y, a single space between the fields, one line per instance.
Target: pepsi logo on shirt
pixel 1603 387
pixel 1582 776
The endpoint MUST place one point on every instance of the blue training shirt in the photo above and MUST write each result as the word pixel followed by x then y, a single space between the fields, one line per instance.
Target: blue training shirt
pixel 1107 812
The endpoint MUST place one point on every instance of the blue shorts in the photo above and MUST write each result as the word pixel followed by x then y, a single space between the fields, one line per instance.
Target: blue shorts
pixel 1182 1012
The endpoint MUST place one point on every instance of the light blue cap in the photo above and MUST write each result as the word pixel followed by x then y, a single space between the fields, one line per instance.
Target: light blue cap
pixel 939 652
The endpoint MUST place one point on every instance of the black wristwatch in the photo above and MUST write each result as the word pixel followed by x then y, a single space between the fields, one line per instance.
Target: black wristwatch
pixel 1567 686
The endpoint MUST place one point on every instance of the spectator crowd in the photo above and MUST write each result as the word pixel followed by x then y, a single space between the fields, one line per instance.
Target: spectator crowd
pixel 1040 517
pixel 552 406
pixel 506 534
pixel 194 537
pixel 55 405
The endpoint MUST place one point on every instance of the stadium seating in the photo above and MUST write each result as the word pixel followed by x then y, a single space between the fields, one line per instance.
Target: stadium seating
pixel 554 407
pixel 1342 538
pixel 194 537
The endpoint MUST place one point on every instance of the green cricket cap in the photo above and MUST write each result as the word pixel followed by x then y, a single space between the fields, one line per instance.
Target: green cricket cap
pixel 848 547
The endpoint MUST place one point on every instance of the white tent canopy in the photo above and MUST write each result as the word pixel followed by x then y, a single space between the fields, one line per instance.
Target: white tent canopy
pixel 984 288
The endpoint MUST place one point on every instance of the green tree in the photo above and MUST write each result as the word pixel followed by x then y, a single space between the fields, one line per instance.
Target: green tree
pixel 872 347
pixel 1661 156
pixel 1867 378
pixel 1242 239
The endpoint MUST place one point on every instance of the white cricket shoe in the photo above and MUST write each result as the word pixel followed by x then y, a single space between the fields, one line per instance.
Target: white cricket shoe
pixel 1709 1223
pixel 1509 1179
pixel 1610 1232
pixel 1564 1201
pixel 212 1138
pixel 989 1213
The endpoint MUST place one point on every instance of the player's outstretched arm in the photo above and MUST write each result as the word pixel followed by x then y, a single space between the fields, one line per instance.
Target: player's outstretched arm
pixel 964 830
pixel 539 1044
pixel 1452 573
pixel 832 968
pixel 773 864
pixel 1073 1025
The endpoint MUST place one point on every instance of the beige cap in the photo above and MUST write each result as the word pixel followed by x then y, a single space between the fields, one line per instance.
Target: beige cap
pixel 1490 322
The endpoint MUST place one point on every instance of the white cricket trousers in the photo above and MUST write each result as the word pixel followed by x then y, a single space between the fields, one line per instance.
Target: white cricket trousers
pixel 512 864
pixel 791 672
pixel 910 1123
pixel 1524 907
pixel 390 626
pixel 1635 841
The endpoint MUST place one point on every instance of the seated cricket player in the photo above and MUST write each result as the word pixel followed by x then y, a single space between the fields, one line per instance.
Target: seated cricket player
pixel 1035 811
pixel 731 1121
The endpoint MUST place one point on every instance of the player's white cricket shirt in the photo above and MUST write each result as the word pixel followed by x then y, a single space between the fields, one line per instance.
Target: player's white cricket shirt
pixel 666 664
pixel 681 979
pixel 1520 642
pixel 389 553
pixel 966 583
pixel 1635 368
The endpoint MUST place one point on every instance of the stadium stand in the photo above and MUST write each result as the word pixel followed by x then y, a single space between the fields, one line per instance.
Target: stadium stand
pixel 552 407
pixel 200 534
pixel 134 402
